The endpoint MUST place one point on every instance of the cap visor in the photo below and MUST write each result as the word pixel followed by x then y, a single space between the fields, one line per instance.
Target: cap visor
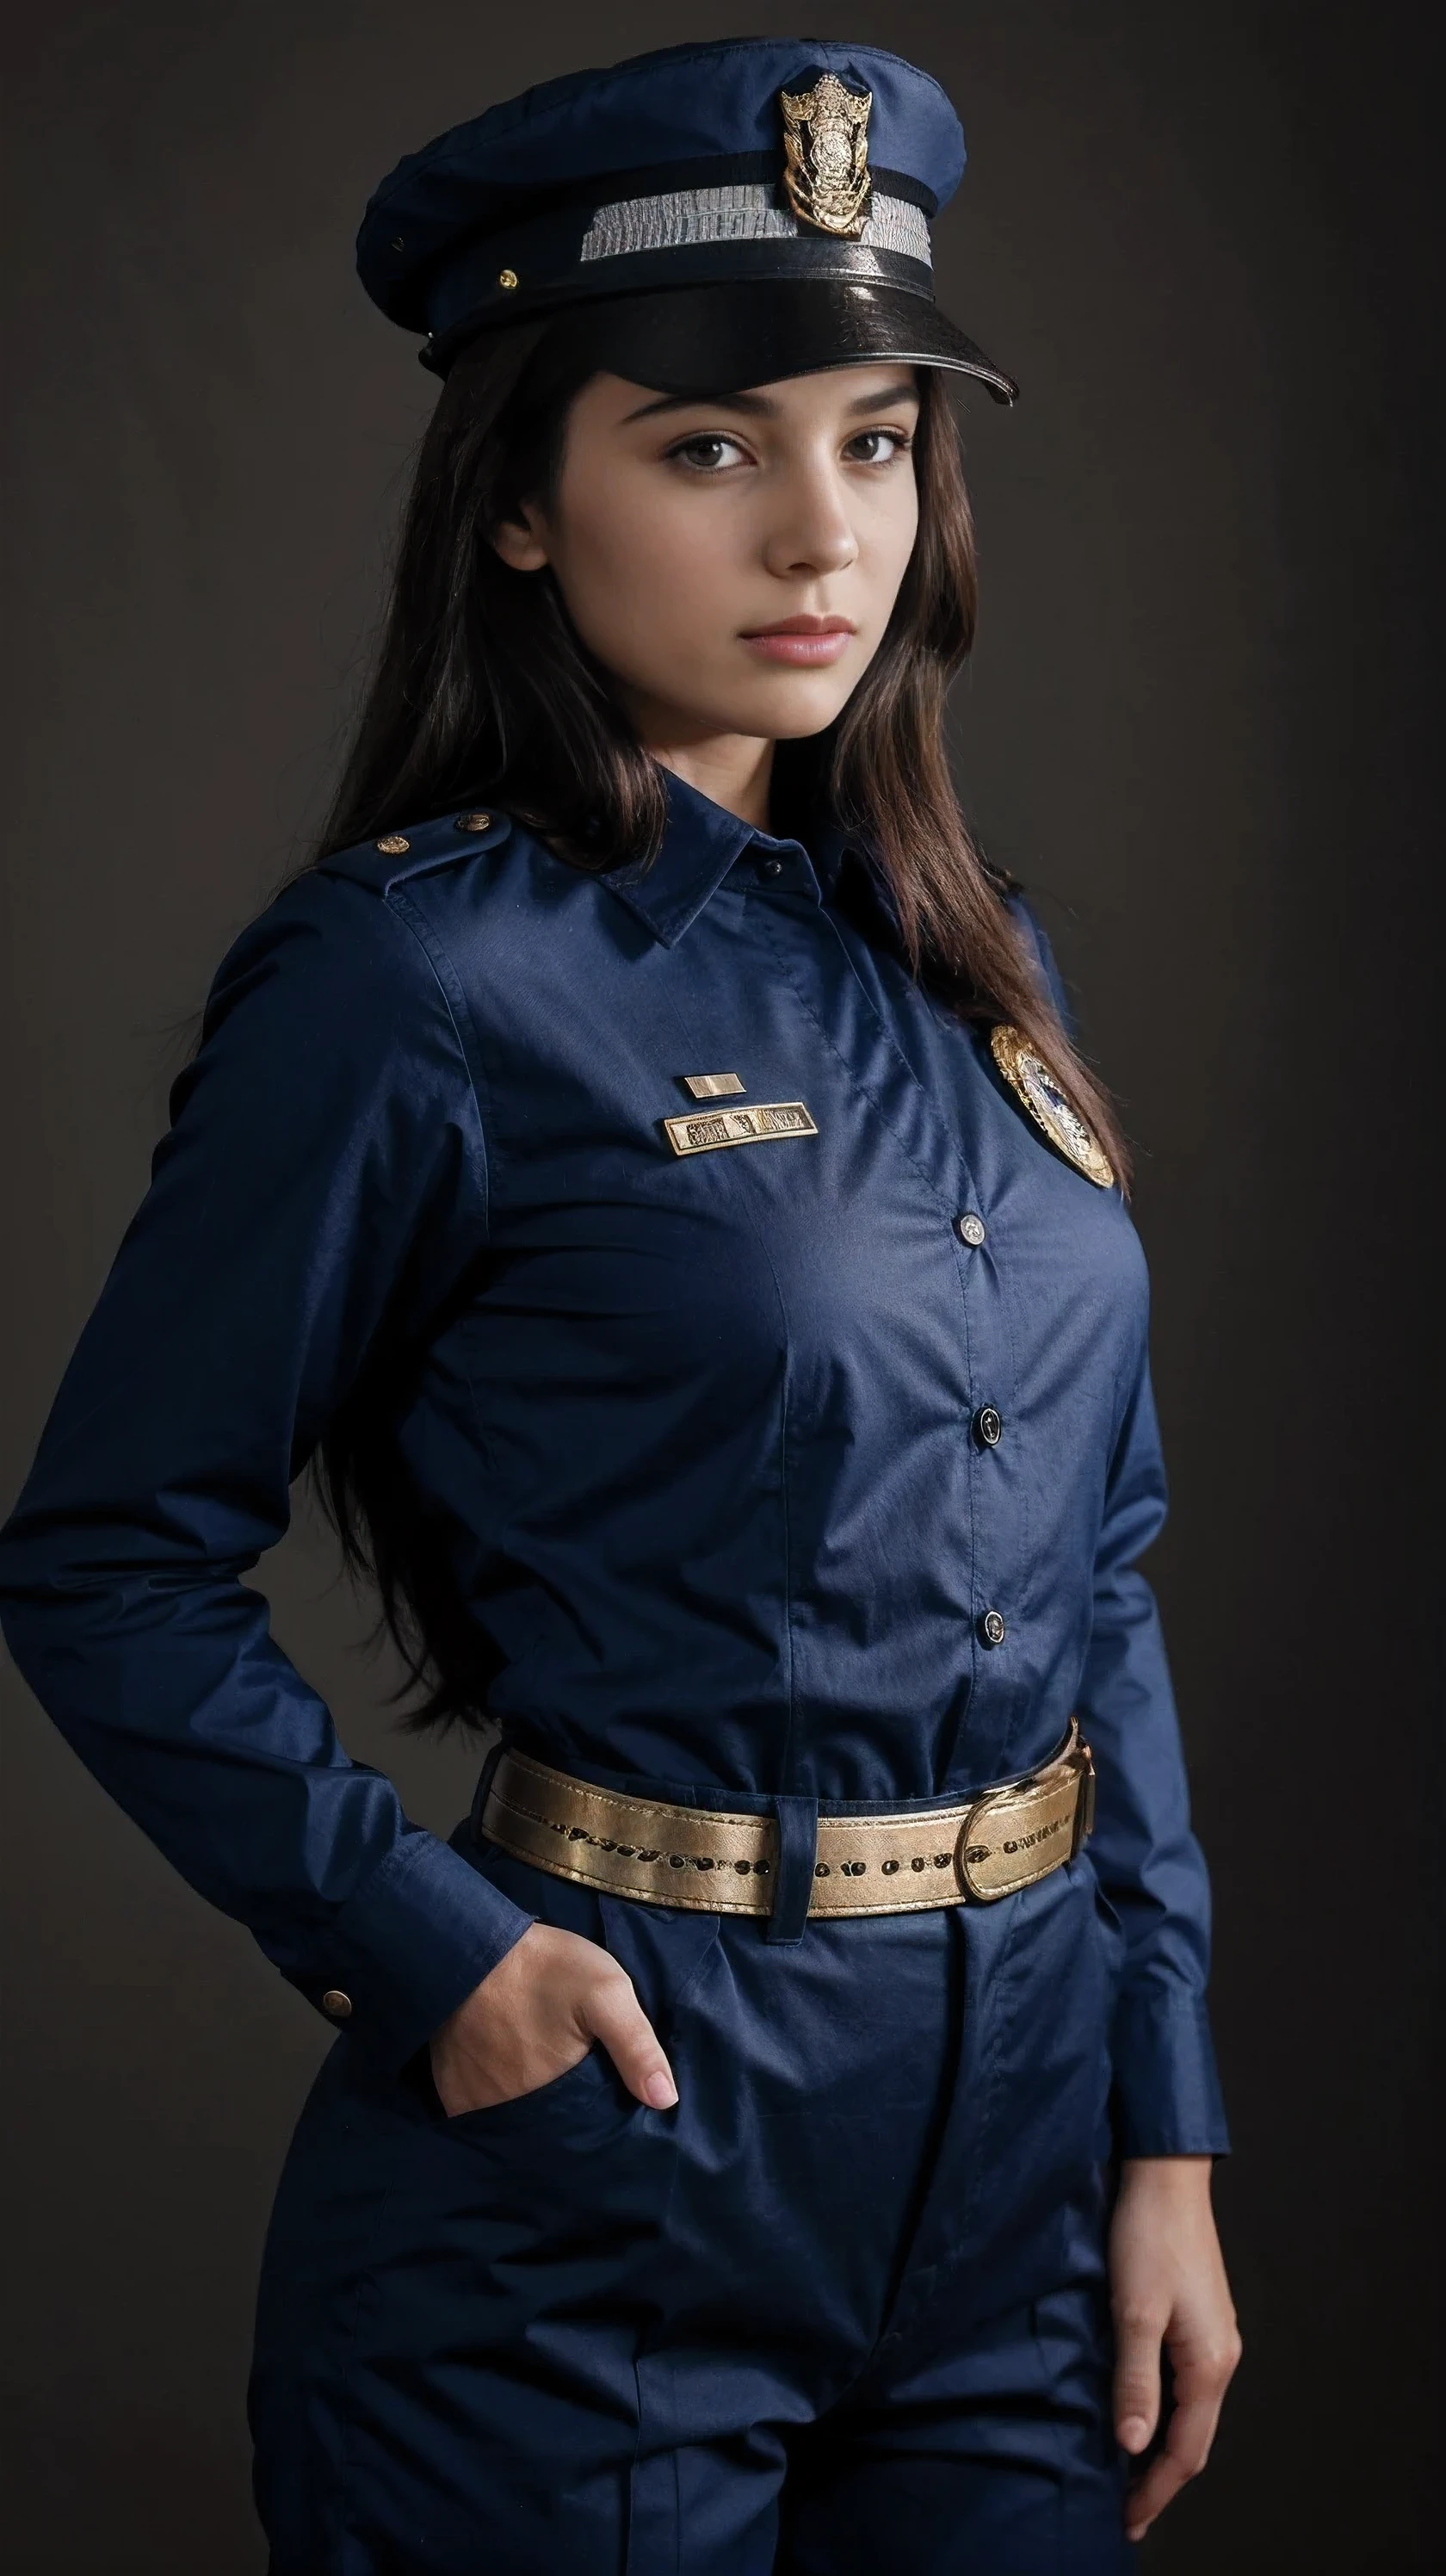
pixel 720 339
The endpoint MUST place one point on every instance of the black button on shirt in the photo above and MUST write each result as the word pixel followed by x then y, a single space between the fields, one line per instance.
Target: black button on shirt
pixel 988 1426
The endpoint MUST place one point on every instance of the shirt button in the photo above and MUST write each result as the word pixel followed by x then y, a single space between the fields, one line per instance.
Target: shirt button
pixel 992 1631
pixel 336 2003
pixel 770 867
pixel 988 1426
pixel 971 1229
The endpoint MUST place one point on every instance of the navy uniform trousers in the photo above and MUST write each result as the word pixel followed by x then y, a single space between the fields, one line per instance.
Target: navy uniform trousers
pixel 842 2312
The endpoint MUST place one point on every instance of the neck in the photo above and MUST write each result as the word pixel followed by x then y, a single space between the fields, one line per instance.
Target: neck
pixel 734 770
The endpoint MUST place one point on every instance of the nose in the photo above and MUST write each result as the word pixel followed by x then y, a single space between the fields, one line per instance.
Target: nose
pixel 812 530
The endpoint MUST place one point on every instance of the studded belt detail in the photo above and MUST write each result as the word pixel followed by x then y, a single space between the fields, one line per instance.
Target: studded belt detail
pixel 714 1863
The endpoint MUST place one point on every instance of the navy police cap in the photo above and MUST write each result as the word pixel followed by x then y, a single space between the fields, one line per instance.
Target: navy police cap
pixel 713 216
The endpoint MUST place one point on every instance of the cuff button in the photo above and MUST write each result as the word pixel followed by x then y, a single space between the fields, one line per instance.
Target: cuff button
pixel 336 2003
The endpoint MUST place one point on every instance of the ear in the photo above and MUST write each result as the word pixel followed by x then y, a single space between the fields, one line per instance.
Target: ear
pixel 520 541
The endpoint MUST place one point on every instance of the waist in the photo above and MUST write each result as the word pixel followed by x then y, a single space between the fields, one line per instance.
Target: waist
pixel 869 1860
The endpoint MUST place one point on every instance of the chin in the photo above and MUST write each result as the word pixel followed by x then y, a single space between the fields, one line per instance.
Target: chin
pixel 798 704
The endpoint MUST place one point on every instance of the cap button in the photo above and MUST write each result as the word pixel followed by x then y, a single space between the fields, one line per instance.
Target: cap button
pixel 336 2003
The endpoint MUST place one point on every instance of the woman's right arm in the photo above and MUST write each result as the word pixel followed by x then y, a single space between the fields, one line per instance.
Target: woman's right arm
pixel 323 1178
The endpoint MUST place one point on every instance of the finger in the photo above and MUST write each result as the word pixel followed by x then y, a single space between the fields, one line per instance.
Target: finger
pixel 1191 2430
pixel 613 2014
pixel 1138 2335
pixel 1159 2485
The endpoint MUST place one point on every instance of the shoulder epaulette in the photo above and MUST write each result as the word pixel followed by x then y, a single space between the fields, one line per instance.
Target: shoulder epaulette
pixel 418 850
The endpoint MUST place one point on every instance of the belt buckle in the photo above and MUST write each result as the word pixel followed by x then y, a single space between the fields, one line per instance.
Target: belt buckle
pixel 970 1851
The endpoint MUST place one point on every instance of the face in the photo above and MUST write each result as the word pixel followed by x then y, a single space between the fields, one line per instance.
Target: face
pixel 733 562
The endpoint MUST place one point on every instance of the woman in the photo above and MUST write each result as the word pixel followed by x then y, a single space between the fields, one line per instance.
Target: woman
pixel 644 1164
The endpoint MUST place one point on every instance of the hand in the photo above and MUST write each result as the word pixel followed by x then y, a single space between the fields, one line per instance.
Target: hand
pixel 1168 2286
pixel 536 2015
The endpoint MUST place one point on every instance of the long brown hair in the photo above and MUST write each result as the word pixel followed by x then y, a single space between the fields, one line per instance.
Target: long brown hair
pixel 483 694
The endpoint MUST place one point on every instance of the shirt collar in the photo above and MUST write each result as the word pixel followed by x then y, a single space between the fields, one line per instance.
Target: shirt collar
pixel 701 842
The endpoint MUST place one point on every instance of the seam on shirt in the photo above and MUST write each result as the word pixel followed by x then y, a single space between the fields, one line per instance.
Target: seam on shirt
pixel 449 985
pixel 1028 1557
pixel 851 1070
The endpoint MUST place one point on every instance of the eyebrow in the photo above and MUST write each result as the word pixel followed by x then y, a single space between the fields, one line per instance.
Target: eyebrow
pixel 762 407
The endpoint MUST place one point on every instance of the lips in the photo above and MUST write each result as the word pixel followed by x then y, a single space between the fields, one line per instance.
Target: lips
pixel 802 626
pixel 806 642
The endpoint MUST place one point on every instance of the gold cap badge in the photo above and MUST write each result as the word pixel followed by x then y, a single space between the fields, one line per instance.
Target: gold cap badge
pixel 826 156
pixel 1049 1105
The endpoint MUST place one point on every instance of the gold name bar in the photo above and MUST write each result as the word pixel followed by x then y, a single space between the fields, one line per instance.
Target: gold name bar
pixel 704 1135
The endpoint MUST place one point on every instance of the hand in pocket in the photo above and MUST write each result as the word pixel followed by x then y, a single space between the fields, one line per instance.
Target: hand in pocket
pixel 537 2015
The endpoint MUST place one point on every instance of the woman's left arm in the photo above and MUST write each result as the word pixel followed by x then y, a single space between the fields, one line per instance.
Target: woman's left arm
pixel 1167 2278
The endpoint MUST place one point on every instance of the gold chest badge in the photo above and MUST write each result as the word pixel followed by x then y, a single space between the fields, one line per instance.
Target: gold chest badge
pixel 1049 1105
pixel 826 156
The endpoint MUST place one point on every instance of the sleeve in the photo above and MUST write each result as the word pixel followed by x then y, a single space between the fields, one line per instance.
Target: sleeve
pixel 323 1180
pixel 1149 1865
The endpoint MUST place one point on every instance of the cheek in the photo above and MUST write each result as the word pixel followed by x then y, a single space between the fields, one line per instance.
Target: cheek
pixel 886 542
pixel 647 583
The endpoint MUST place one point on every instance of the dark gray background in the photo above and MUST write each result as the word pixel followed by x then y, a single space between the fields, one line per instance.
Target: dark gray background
pixel 1196 726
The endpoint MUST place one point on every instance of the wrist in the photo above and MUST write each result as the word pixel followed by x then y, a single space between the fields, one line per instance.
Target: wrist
pixel 1179 2178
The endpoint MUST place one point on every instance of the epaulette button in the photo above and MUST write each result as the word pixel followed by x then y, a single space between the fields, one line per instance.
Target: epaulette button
pixel 394 845
pixel 473 823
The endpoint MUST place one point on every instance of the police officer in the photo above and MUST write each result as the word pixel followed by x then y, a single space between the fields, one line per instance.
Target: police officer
pixel 645 1164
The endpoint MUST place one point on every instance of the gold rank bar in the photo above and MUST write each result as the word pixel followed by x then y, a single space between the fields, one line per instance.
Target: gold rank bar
pixel 771 1118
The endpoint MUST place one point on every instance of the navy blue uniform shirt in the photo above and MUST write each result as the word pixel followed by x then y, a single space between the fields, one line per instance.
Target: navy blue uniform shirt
pixel 700 1432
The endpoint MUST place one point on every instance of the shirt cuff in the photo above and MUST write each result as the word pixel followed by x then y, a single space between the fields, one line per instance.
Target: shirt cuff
pixel 1167 2099
pixel 410 1946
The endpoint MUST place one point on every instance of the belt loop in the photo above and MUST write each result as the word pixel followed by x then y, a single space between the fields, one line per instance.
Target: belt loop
pixel 797 1853
pixel 484 1783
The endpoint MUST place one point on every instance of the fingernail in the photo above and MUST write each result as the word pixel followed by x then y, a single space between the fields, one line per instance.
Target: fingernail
pixel 661 2091
pixel 1134 2433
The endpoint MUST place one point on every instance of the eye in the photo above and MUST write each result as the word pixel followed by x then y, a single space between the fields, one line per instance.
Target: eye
pixel 709 451
pixel 878 446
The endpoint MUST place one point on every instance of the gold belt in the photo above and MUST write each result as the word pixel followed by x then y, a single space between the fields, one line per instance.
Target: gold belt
pixel 716 1863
